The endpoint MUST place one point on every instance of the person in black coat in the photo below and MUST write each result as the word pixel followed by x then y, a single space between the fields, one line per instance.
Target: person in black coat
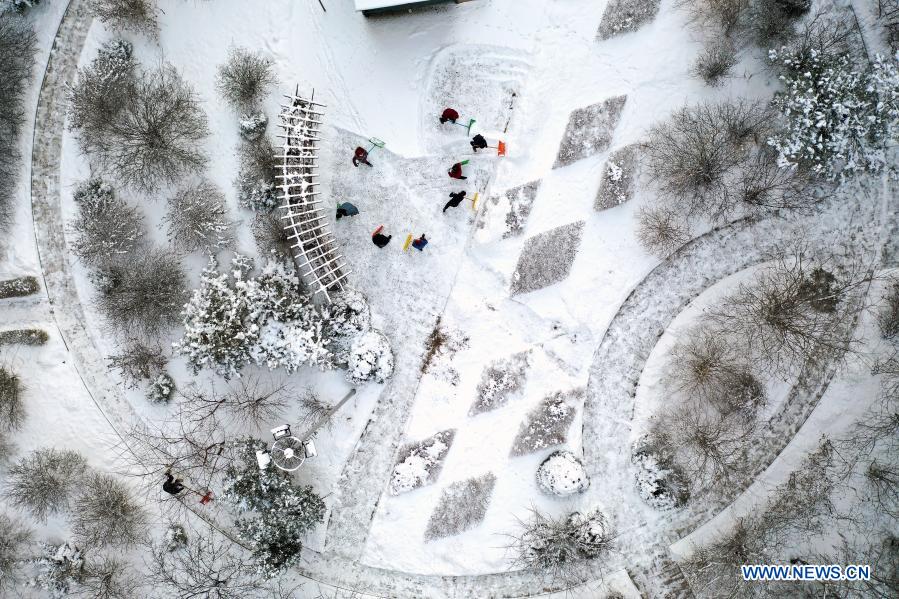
pixel 379 239
pixel 478 142
pixel 455 200
pixel 172 485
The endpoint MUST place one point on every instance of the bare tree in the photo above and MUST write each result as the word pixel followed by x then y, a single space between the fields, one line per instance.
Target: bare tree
pixel 43 481
pixel 155 137
pixel 661 230
pixel 105 513
pixel 12 408
pixel 793 312
pixel 243 78
pixel 106 227
pixel 888 318
pixel 144 293
pixel 716 62
pixel 207 567
pixel 198 218
pixel 15 537
pixel 250 398
pixel 271 237
pixel 134 15
pixel 138 362
pixel 109 577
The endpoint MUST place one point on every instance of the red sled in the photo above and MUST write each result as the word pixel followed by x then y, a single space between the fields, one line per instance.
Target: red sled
pixel 206 498
pixel 501 149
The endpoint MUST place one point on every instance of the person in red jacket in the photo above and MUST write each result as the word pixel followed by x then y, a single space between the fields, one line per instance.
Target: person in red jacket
pixel 456 171
pixel 449 115
pixel 361 155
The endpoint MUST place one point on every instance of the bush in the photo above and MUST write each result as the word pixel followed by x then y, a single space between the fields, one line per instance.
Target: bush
pixel 134 15
pixel 101 92
pixel 855 111
pixel 562 474
pixel 272 238
pixel 660 483
pixel 252 126
pixel 155 136
pixel 19 287
pixel 347 317
pixel 161 389
pixel 198 219
pixel 370 358
pixel 256 182
pixel 420 463
pixel 15 537
pixel 12 409
pixel 243 78
pixel 716 62
pixel 106 228
pixel 24 337
pixel 275 514
pixel 138 362
pixel 19 6
pixel 661 230
pixel 499 382
pixel 59 569
pixel 888 319
pixel 17 47
pixel 144 293
pixel 43 481
pixel 104 513
pixel 558 548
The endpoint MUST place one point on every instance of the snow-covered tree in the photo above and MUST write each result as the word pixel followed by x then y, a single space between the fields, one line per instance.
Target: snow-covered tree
pixel 198 218
pixel 274 513
pixel 59 569
pixel 15 537
pixel 370 358
pixel 12 408
pixel 256 183
pixel 43 481
pixel 347 316
pixel 268 320
pixel 243 79
pixel 837 117
pixel 105 513
pixel 106 227
pixel 161 388
pixel 19 6
pixel 134 15
pixel 252 126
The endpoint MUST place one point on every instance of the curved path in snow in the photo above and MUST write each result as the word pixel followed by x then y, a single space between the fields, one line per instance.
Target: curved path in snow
pixel 618 361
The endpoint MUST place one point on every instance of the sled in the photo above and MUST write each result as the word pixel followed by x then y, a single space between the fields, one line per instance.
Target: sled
pixel 474 202
pixel 408 242
pixel 207 497
pixel 378 230
pixel 501 149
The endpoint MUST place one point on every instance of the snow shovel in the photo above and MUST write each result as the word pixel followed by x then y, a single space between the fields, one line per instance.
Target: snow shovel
pixel 375 143
pixel 467 127
pixel 474 201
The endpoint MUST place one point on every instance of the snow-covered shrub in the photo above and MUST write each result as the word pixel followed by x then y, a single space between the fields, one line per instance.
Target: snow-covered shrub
pixel 138 362
pixel 771 22
pixel 100 92
pixel 256 182
pixel 420 463
pixel 274 514
pixel 660 484
pixel 272 239
pixel 715 62
pixel 19 287
pixel 198 218
pixel 619 179
pixel 547 425
pixel 562 474
pixel 105 513
pixel 558 549
pixel 661 230
pixel 161 388
pixel 837 116
pixel 12 408
pixel 243 79
pixel 17 47
pixel 134 15
pixel 888 318
pixel 442 345
pixel 370 358
pixel 462 506
pixel 19 6
pixel 144 292
pixel 589 130
pixel 43 481
pixel 59 569
pixel 623 16
pixel 24 337
pixel 269 320
pixel 500 381
pixel 546 258
pixel 15 537
pixel 175 537
pixel 348 316
pixel 106 227
pixel 252 126
pixel 154 138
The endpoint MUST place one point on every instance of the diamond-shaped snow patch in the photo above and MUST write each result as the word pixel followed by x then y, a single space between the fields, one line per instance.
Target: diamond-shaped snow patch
pixel 500 381
pixel 546 258
pixel 547 424
pixel 517 203
pixel 623 16
pixel 619 178
pixel 462 506
pixel 590 130
pixel 419 464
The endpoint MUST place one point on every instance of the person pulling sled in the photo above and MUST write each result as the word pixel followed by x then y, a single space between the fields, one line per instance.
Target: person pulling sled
pixel 379 239
pixel 455 200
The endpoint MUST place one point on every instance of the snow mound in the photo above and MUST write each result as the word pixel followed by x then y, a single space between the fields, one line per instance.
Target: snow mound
pixel 499 382
pixel 562 474
pixel 624 16
pixel 619 178
pixel 462 506
pixel 589 130
pixel 547 258
pixel 420 463
pixel 547 424
pixel 516 204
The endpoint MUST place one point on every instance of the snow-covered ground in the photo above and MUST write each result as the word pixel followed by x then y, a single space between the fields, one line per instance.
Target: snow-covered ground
pixel 521 69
